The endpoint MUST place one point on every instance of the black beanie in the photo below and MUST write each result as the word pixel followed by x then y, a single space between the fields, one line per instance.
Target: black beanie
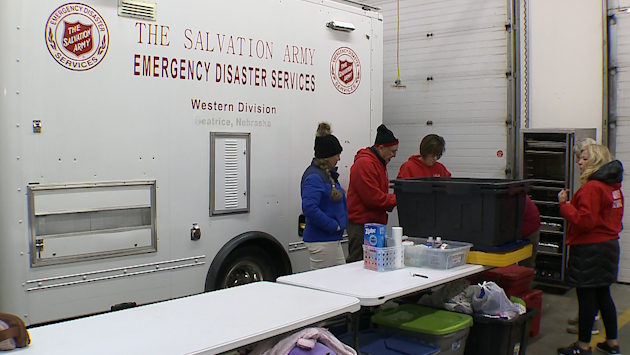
pixel 326 145
pixel 385 137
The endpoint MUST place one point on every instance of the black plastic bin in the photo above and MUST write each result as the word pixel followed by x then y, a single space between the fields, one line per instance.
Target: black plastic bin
pixel 484 212
pixel 492 336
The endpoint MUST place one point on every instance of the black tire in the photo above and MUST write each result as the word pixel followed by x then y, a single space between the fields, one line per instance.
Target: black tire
pixel 245 265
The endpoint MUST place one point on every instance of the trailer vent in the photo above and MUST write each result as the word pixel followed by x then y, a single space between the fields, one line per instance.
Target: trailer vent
pixel 138 9
pixel 230 169
pixel 229 172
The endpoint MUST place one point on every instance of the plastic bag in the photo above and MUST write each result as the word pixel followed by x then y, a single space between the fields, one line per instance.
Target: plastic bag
pixel 491 299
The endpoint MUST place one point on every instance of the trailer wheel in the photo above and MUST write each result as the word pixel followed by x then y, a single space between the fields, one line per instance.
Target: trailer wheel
pixel 245 265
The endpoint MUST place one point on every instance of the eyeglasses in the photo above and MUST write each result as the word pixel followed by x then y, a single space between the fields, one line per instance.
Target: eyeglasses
pixel 393 151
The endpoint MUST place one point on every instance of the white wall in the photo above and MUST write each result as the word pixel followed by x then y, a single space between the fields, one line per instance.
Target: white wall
pixel 565 64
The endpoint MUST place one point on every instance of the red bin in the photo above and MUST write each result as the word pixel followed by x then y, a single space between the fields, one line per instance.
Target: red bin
pixel 533 299
pixel 513 279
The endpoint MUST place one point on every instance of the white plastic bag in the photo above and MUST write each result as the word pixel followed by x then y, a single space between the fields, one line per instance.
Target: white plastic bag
pixel 490 299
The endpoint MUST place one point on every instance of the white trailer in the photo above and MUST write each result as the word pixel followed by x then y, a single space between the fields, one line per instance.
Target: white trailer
pixel 153 150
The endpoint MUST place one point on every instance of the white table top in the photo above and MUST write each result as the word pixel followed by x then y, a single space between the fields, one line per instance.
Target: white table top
pixel 207 323
pixel 374 288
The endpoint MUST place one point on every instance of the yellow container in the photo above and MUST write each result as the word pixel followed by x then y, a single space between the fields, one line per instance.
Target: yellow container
pixel 499 259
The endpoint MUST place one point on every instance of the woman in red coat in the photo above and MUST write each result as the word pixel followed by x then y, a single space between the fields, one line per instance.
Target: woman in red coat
pixel 426 163
pixel 594 215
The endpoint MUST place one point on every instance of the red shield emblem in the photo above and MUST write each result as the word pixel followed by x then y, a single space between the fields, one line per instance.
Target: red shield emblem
pixel 77 38
pixel 346 74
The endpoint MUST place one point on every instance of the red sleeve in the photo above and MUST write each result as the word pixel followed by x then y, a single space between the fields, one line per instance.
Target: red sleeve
pixel 367 181
pixel 583 210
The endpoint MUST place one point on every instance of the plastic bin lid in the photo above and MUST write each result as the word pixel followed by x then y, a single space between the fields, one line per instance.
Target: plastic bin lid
pixel 509 273
pixel 459 185
pixel 423 319
pixel 503 248
pixel 400 345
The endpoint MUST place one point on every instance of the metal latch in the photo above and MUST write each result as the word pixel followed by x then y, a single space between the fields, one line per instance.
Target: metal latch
pixel 37 126
pixel 195 232
pixel 39 246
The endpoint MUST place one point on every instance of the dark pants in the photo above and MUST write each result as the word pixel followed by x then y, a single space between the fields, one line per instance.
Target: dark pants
pixel 534 238
pixel 590 299
pixel 355 242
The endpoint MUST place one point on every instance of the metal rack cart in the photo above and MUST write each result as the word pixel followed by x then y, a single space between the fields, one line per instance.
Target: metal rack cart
pixel 547 158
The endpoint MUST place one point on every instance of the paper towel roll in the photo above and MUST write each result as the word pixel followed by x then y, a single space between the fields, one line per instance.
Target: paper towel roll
pixel 397 233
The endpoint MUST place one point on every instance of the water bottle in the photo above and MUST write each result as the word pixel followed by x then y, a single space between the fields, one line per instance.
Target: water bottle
pixel 430 242
pixel 438 242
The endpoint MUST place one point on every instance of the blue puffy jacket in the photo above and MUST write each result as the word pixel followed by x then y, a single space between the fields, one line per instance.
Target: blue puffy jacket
pixel 323 215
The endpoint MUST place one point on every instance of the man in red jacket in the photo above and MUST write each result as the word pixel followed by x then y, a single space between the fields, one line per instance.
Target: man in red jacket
pixel 368 197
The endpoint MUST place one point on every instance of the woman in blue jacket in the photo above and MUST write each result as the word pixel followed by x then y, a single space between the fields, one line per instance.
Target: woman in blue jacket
pixel 324 202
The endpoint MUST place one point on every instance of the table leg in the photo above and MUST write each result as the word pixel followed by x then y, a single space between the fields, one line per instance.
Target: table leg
pixel 355 330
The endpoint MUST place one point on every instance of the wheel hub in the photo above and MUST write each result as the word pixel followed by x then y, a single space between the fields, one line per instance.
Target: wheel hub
pixel 243 273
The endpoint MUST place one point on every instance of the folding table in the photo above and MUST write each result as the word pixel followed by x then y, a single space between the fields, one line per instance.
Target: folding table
pixel 208 323
pixel 374 288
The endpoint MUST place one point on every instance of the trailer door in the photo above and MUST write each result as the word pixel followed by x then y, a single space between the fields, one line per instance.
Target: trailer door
pixel 453 56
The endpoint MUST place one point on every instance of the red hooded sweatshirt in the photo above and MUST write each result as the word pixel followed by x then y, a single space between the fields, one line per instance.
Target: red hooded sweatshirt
pixel 368 197
pixel 595 211
pixel 414 167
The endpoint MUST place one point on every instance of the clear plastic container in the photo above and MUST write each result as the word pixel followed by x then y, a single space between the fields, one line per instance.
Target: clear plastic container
pixel 383 259
pixel 420 256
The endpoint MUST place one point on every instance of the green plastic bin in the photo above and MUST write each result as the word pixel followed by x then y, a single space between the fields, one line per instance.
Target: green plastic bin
pixel 448 330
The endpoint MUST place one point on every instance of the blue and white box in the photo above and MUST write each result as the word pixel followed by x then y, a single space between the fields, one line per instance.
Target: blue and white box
pixel 375 234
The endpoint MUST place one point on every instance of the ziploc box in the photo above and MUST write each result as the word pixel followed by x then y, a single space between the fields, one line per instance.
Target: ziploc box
pixel 374 234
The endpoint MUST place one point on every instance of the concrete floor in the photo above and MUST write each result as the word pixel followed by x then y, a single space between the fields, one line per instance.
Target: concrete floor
pixel 557 307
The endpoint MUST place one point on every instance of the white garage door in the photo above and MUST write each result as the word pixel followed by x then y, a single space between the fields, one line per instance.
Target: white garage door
pixel 453 55
pixel 619 30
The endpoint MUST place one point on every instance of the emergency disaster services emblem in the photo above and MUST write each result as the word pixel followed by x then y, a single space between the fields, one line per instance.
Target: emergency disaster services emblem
pixel 345 70
pixel 77 36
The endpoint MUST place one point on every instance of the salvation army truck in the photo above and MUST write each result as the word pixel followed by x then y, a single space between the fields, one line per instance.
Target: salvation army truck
pixel 154 150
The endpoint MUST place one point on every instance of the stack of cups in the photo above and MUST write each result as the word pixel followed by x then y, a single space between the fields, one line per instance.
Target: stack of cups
pixel 397 233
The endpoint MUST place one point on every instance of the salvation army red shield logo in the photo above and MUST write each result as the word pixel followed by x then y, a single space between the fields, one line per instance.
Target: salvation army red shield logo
pixel 345 70
pixel 76 36
pixel 346 74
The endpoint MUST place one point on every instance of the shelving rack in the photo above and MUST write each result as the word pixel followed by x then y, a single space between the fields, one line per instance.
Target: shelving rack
pixel 547 158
